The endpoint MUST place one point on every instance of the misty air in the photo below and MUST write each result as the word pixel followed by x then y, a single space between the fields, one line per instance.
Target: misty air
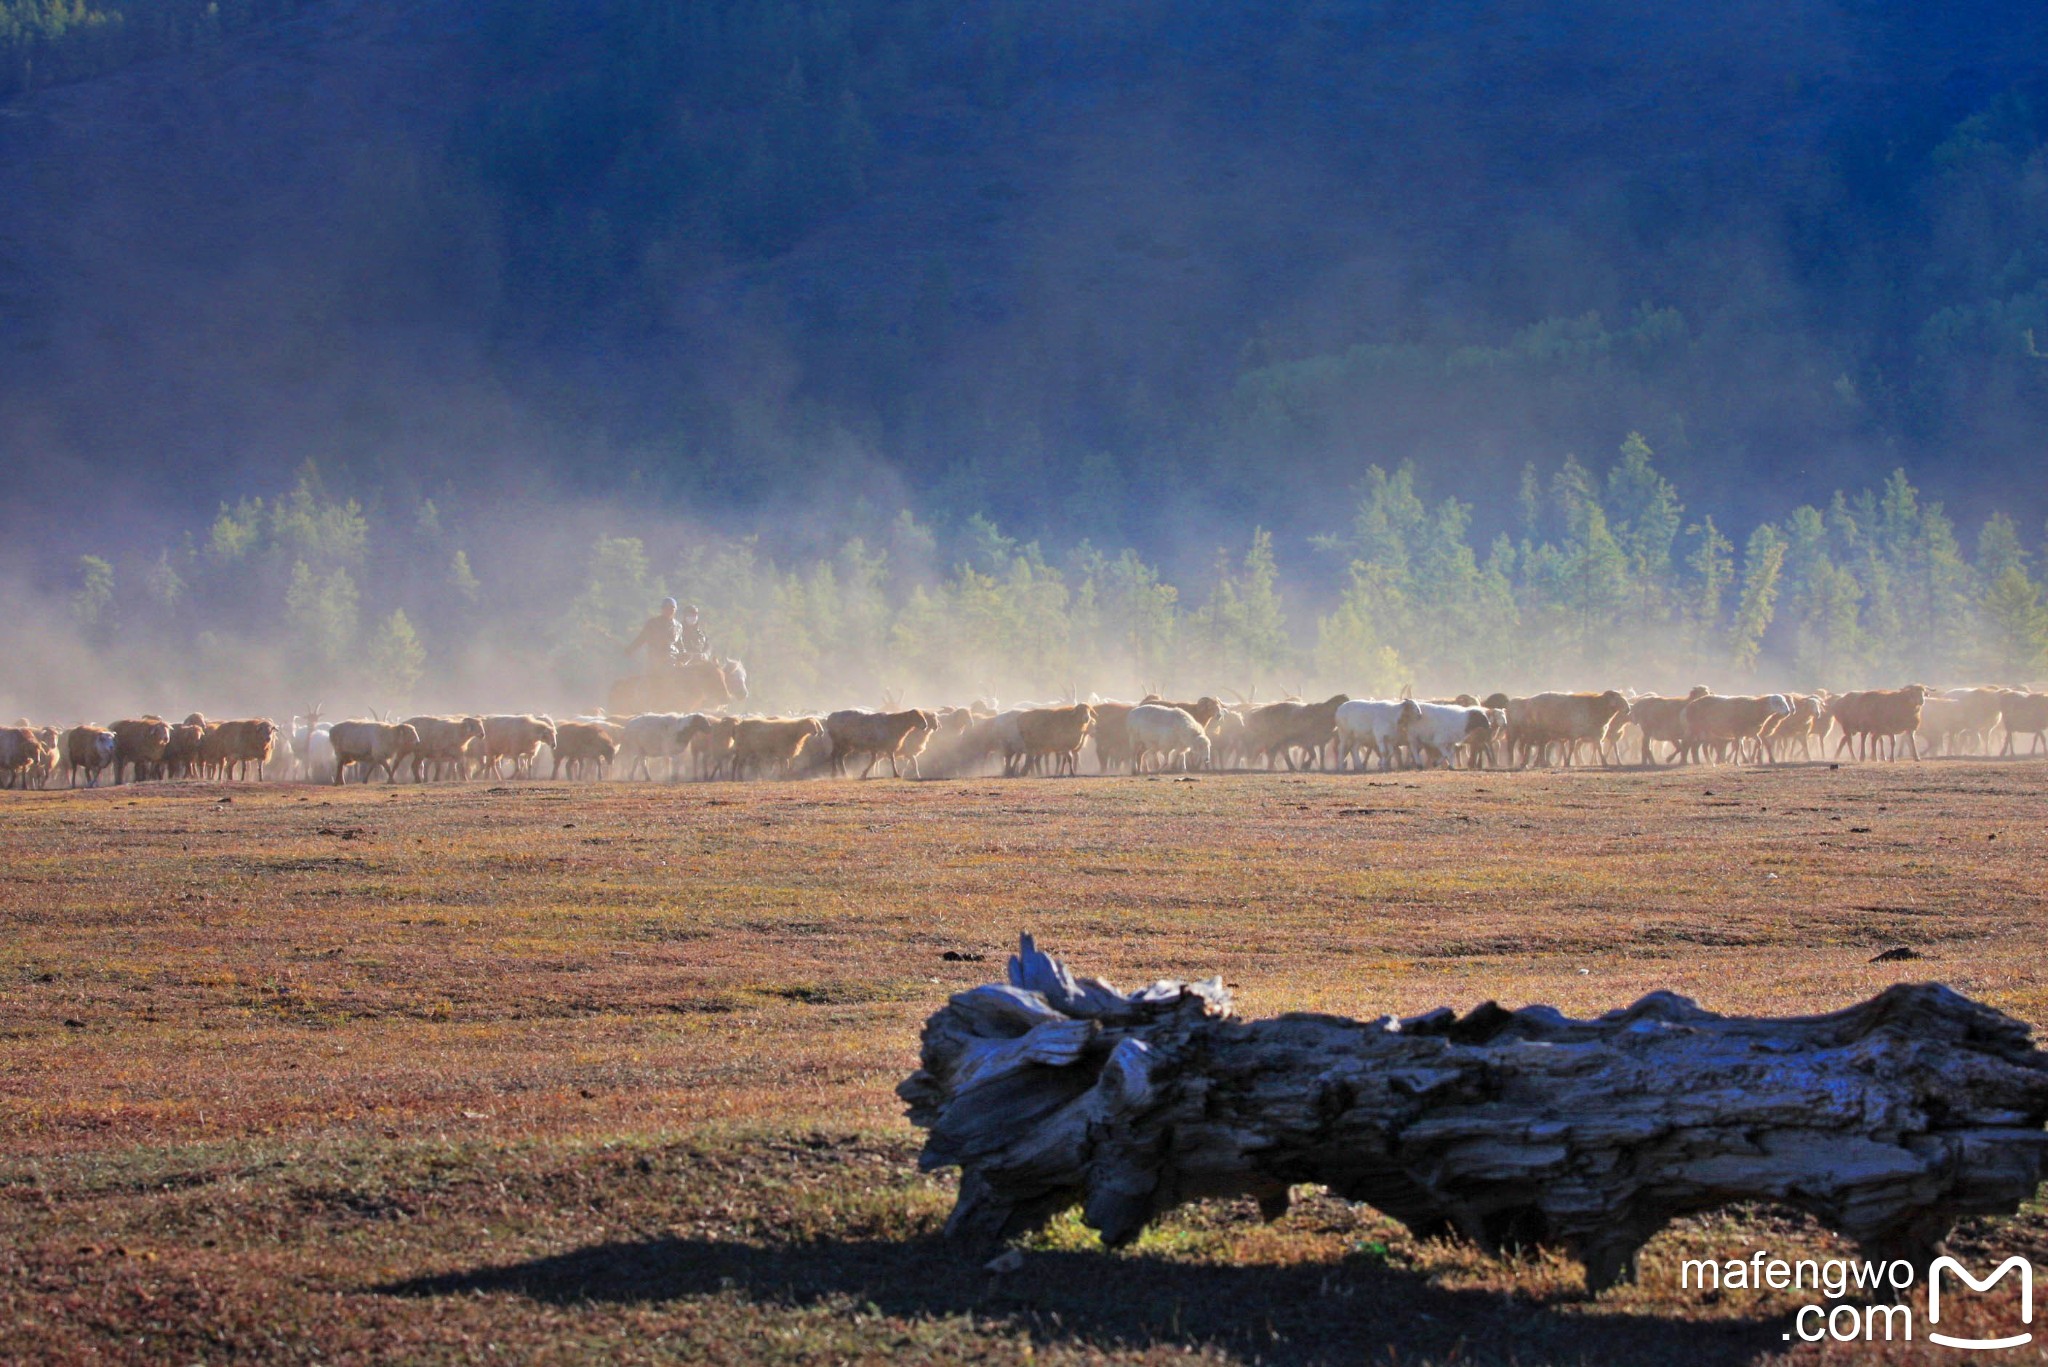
pixel 630 628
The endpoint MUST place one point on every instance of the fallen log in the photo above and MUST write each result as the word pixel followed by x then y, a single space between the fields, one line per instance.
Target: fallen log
pixel 1887 1121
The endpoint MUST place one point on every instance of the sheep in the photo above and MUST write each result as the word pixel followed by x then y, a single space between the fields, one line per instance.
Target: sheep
pixel 765 743
pixel 1802 724
pixel 1434 732
pixel 517 738
pixel 1724 722
pixel 1562 719
pixel 713 746
pixel 230 747
pixel 583 746
pixel 1873 718
pixel 90 748
pixel 1977 713
pixel 181 753
pixel 1278 729
pixel 1055 734
pixel 372 744
pixel 1375 725
pixel 301 739
pixel 658 735
pixel 2026 714
pixel 878 736
pixel 1114 748
pixel 1661 720
pixel 139 743
pixel 320 753
pixel 446 744
pixel 19 752
pixel 1166 736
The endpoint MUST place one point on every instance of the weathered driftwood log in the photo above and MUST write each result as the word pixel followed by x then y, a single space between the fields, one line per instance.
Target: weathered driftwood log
pixel 1886 1121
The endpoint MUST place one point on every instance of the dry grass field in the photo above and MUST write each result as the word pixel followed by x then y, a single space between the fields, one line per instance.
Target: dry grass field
pixel 537 1072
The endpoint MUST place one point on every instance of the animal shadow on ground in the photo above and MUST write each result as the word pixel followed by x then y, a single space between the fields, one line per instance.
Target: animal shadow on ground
pixel 1358 1309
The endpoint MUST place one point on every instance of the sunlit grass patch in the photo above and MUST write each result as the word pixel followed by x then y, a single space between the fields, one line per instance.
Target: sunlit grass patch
pixel 298 1085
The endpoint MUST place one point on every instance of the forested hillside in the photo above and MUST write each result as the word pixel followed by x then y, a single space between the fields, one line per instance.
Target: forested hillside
pixel 310 594
pixel 1114 271
pixel 49 42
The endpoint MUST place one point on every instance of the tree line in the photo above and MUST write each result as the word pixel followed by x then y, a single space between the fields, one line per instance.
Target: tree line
pixel 48 42
pixel 1597 577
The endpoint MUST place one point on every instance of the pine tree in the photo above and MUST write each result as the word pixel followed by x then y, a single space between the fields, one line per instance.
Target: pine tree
pixel 322 615
pixel 461 581
pixel 91 605
pixel 1595 582
pixel 1763 560
pixel 618 594
pixel 1646 514
pixel 1529 502
pixel 1645 510
pixel 1242 623
pixel 165 586
pixel 1712 563
pixel 1140 618
pixel 1823 601
pixel 2016 626
pixel 1265 622
pixel 1352 653
pixel 1445 574
pixel 1950 592
pixel 1999 548
pixel 397 659
pixel 988 550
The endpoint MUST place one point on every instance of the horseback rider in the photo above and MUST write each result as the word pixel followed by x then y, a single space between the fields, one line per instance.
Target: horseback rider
pixel 659 639
pixel 668 639
pixel 691 641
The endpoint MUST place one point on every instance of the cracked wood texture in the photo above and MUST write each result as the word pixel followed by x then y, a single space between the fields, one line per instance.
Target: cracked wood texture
pixel 1886 1121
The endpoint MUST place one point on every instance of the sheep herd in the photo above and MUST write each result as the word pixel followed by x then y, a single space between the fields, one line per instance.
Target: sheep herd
pixel 1154 734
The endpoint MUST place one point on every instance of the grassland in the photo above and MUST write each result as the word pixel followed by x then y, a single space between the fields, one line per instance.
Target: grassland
pixel 547 1073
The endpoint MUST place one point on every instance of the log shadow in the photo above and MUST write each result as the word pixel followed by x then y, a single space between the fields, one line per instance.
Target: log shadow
pixel 1355 1310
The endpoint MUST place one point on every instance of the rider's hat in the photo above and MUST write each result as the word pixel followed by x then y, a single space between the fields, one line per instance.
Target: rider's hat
pixel 669 603
pixel 690 611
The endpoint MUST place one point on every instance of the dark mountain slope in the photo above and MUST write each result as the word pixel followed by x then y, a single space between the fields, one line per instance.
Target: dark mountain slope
pixel 989 254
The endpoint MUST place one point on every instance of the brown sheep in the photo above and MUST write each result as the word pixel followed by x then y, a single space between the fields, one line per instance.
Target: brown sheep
pixel 1724 723
pixel 2026 714
pixel 517 738
pixel 181 754
pixel 1562 719
pixel 139 743
pixel 1114 749
pixel 50 752
pixel 1277 730
pixel 762 743
pixel 19 753
pixel 659 735
pixel 228 748
pixel 1975 715
pixel 879 735
pixel 90 748
pixel 1661 721
pixel 1943 724
pixel 1873 718
pixel 585 747
pixel 713 746
pixel 447 745
pixel 1803 724
pixel 1055 735
pixel 372 744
